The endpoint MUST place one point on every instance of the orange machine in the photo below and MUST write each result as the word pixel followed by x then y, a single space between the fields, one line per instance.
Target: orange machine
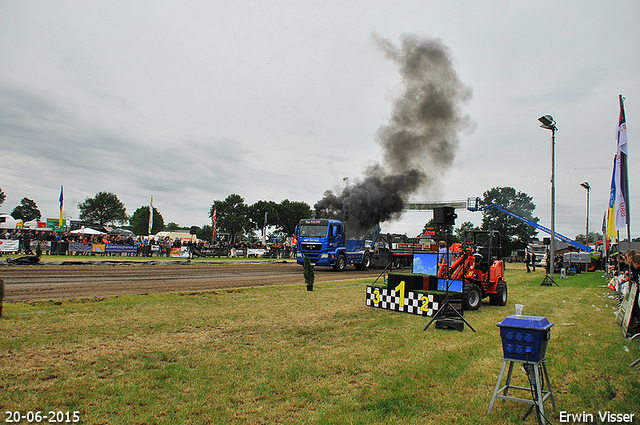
pixel 478 263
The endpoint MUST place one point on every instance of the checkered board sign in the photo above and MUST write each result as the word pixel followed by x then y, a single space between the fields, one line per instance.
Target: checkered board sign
pixel 413 303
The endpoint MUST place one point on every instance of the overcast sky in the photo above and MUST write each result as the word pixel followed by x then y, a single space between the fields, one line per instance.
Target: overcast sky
pixel 190 101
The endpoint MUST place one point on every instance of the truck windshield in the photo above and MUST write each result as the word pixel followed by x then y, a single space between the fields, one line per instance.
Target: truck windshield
pixel 313 231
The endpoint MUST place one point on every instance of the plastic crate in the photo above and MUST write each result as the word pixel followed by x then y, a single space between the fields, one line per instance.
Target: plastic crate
pixel 525 338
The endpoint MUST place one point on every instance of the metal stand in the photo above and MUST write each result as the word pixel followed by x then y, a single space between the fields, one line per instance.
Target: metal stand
pixel 548 281
pixel 539 395
pixel 634 363
pixel 447 322
pixel 450 321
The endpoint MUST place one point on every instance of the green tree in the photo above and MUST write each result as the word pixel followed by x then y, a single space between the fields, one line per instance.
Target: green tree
pixel 515 233
pixel 289 213
pixel 2 196
pixel 205 233
pixel 593 237
pixel 308 273
pixel 140 221
pixel 444 232
pixel 104 208
pixel 173 226
pixel 26 211
pixel 231 215
pixel 467 226
pixel 257 211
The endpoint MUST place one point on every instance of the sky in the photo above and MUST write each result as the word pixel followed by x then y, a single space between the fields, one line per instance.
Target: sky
pixel 190 101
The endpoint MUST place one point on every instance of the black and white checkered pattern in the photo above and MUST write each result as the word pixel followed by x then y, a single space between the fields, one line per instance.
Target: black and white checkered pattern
pixel 414 303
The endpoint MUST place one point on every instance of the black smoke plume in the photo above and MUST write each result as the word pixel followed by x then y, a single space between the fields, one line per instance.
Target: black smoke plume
pixel 419 142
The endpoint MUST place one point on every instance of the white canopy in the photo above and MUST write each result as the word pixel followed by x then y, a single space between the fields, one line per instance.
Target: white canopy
pixel 87 231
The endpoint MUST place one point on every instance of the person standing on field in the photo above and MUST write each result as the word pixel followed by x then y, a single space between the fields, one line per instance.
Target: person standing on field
pixel 533 260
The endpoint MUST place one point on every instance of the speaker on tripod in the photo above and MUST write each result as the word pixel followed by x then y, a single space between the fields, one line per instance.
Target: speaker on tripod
pixel 444 215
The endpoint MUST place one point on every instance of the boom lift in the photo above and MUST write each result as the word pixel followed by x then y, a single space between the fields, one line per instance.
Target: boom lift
pixel 473 206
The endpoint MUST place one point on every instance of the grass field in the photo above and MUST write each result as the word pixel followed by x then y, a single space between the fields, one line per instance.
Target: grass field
pixel 285 355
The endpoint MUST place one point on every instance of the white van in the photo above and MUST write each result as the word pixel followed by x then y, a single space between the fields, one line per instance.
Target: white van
pixel 7 222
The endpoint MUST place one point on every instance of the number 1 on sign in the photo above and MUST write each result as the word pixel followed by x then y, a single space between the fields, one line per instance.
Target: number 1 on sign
pixel 401 288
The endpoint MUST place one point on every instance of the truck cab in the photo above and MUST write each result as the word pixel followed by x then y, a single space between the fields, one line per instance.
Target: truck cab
pixel 541 253
pixel 325 242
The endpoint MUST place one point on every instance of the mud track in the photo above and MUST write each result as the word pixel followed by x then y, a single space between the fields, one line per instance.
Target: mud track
pixel 51 282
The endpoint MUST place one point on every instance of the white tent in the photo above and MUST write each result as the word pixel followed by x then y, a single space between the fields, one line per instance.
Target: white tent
pixel 87 231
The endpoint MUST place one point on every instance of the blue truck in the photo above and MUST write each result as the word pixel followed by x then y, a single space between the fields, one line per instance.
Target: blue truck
pixel 325 242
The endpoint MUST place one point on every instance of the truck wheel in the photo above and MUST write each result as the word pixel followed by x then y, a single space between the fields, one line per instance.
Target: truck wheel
pixel 341 263
pixel 500 297
pixel 592 266
pixel 366 263
pixel 472 296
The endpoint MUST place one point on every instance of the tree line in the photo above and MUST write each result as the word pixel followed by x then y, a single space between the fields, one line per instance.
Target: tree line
pixel 233 215
pixel 236 218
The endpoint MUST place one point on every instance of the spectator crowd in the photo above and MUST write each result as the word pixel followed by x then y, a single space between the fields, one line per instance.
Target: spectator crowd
pixel 62 243
pixel 623 272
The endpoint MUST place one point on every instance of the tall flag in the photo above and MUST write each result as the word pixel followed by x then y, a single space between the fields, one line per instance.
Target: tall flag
pixel 622 174
pixel 264 229
pixel 150 214
pixel 611 211
pixel 61 204
pixel 215 222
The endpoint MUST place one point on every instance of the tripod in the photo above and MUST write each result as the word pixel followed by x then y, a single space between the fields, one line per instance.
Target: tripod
pixel 447 322
pixel 548 279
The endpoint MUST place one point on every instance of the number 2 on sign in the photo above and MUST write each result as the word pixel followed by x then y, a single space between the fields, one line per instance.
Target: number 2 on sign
pixel 401 288
pixel 425 303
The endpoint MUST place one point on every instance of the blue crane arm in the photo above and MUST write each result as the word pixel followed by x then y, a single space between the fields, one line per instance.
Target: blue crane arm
pixel 375 237
pixel 563 238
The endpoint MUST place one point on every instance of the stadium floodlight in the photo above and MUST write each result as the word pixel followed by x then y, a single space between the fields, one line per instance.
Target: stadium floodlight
pixel 548 123
pixel 588 187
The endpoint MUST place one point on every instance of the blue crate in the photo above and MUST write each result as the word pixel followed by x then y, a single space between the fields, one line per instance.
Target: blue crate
pixel 525 338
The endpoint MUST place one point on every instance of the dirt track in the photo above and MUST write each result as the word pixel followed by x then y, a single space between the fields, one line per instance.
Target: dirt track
pixel 44 282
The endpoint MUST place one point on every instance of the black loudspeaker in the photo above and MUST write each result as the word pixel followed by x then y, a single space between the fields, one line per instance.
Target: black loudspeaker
pixel 444 215
pixel 546 241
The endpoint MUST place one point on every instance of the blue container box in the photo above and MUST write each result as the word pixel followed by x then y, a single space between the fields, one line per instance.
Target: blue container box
pixel 525 337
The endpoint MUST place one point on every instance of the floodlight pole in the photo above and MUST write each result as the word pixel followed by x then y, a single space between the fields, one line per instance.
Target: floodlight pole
pixel 549 123
pixel 553 202
pixel 588 188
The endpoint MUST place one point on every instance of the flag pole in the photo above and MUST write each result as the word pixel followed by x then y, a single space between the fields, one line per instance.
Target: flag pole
pixel 61 200
pixel 627 175
pixel 150 215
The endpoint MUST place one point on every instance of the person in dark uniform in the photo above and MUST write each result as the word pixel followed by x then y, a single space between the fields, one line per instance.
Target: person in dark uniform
pixel 533 260
pixel 26 242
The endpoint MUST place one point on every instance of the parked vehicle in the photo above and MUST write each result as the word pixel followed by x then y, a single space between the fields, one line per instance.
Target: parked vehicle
pixel 7 222
pixel 325 242
pixel 541 253
pixel 518 256
pixel 397 250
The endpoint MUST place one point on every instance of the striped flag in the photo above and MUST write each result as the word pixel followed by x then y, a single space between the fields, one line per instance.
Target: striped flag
pixel 61 204
pixel 264 229
pixel 150 214
pixel 611 211
pixel 215 221
pixel 622 174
